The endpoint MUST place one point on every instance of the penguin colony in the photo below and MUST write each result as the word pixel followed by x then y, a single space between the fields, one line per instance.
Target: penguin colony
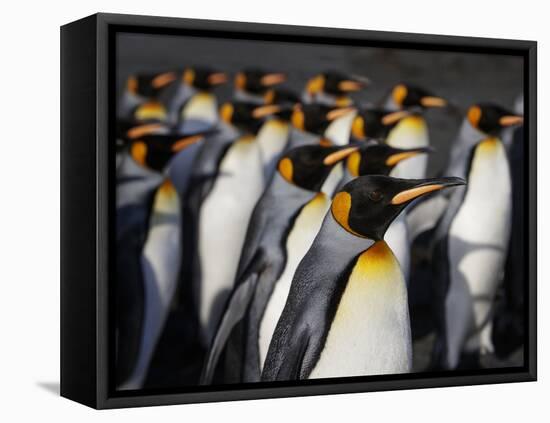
pixel 270 237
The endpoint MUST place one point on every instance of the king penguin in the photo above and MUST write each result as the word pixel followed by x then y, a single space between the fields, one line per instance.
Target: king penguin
pixel 410 132
pixel 471 242
pixel 255 85
pixel 346 313
pixel 140 89
pixel 333 88
pixel 224 215
pixel 148 250
pixel 190 100
pixel 481 120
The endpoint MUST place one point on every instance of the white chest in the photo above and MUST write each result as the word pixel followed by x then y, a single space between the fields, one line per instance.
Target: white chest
pixel 370 332
pixel 479 234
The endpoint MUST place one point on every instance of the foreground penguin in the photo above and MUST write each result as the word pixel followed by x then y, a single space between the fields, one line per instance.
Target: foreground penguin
pixel 470 249
pixel 410 132
pixel 347 312
pixel 333 88
pixel 284 223
pixel 148 251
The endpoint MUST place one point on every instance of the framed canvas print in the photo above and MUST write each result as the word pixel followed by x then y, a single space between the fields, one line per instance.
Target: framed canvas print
pixel 256 211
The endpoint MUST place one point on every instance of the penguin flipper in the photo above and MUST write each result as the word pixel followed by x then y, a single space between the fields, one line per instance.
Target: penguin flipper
pixel 234 313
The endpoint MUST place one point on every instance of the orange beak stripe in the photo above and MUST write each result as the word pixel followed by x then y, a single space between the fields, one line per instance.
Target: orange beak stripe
pixel 413 193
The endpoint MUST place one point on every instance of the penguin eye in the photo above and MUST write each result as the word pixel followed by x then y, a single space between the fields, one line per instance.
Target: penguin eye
pixel 375 196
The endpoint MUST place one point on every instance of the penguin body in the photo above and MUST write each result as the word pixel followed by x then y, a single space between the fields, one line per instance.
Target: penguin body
pixel 160 261
pixel 472 240
pixel 373 304
pixel 224 218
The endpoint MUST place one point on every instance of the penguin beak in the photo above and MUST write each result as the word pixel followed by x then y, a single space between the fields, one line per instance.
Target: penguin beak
pixel 272 79
pixel 141 130
pixel 217 78
pixel 394 117
pixel 431 101
pixel 163 79
pixel 186 142
pixel 425 186
pixel 510 120
pixel 339 155
pixel 350 85
pixel 406 154
pixel 339 112
pixel 263 111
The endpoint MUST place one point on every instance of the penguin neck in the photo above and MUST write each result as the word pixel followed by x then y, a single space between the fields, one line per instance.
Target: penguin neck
pixel 339 242
pixel 332 181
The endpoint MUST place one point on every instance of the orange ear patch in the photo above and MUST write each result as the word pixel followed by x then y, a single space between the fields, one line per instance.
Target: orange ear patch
pixel 474 115
pixel 286 169
pixel 341 206
pixel 399 94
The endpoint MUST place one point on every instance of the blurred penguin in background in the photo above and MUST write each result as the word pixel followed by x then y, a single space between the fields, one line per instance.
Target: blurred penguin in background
pixel 224 214
pixel 481 120
pixel 410 132
pixel 190 100
pixel 471 243
pixel 256 86
pixel 140 89
pixel 333 88
pixel 508 323
pixel 148 249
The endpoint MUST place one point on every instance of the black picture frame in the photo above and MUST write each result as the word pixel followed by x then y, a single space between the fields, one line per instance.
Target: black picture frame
pixel 87 103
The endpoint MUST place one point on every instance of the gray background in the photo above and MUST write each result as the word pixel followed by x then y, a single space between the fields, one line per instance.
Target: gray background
pixel 461 78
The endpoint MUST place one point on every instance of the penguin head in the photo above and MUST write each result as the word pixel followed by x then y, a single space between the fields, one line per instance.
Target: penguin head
pixel 153 150
pixel 491 119
pixel 376 123
pixel 367 205
pixel 308 166
pixel 282 96
pixel 410 96
pixel 315 118
pixel 247 117
pixel 149 85
pixel 256 81
pixel 203 78
pixel 374 158
pixel 150 111
pixel 336 84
